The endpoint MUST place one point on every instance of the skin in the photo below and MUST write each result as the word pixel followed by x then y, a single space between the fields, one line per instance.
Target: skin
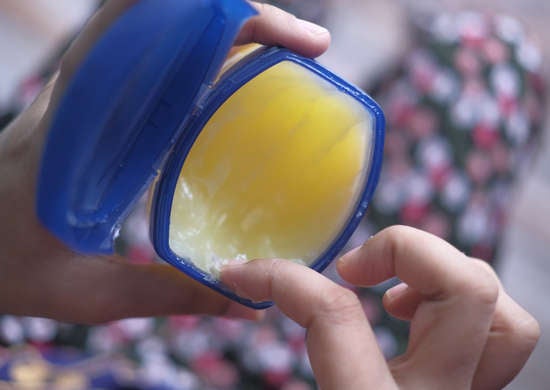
pixel 466 332
pixel 39 276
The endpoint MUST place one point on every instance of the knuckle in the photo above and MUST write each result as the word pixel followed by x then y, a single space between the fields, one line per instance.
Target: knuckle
pixel 481 283
pixel 273 270
pixel 398 238
pixel 340 301
pixel 528 332
pixel 396 233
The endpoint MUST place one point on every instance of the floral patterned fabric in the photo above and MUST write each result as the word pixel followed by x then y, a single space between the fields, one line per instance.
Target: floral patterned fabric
pixel 463 114
pixel 463 111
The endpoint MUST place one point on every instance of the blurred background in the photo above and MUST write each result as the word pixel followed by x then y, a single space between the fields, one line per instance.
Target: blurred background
pixel 463 86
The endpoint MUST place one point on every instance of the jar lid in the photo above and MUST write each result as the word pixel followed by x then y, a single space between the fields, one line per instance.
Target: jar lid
pixel 124 109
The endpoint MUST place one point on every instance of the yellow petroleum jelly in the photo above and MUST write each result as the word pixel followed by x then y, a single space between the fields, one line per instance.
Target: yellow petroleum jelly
pixel 275 172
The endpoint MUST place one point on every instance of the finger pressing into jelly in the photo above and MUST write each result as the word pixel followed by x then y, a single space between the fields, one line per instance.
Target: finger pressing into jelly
pixel 452 321
pixel 273 26
pixel 341 345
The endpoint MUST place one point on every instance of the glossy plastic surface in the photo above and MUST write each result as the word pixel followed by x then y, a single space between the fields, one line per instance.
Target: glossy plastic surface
pixel 123 111
pixel 228 84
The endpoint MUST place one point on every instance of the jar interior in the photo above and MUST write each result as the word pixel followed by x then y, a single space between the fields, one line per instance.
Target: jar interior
pixel 276 172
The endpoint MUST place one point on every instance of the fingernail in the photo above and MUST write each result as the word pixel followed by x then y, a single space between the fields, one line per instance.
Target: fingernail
pixel 396 291
pixel 312 27
pixel 347 257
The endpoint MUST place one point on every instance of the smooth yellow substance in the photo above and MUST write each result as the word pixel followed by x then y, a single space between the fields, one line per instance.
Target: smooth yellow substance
pixel 275 172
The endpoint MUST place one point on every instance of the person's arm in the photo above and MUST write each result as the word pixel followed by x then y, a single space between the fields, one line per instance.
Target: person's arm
pixel 39 276
pixel 466 332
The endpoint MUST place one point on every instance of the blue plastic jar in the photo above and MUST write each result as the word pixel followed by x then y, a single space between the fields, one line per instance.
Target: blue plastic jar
pixel 133 112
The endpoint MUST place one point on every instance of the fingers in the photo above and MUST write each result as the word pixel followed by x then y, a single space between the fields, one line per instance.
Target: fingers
pixel 97 290
pixel 276 27
pixel 271 27
pixel 402 301
pixel 459 298
pixel 342 348
pixel 513 336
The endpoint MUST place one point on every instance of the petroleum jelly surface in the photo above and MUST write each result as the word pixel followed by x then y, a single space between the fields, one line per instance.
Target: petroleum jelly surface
pixel 275 172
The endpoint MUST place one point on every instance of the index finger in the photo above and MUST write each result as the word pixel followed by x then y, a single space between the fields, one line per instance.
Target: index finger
pixel 341 345
pixel 425 262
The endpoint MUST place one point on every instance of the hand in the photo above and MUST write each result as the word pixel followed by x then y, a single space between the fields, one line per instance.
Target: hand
pixel 39 276
pixel 466 332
